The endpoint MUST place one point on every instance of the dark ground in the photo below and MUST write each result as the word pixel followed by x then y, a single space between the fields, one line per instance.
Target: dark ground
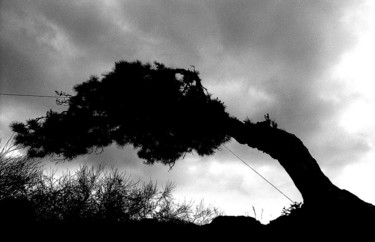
pixel 302 224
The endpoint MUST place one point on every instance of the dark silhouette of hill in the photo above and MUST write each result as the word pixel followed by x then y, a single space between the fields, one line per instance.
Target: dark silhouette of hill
pixel 294 227
pixel 166 113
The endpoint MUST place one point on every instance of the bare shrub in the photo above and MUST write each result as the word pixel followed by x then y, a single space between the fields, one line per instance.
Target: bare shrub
pixel 93 195
pixel 18 175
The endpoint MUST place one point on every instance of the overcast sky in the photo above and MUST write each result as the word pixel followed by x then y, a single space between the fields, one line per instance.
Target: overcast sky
pixel 306 63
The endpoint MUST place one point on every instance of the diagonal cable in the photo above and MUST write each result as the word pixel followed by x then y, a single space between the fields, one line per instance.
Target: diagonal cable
pixel 258 174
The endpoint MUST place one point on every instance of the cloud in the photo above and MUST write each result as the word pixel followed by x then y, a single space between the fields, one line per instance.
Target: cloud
pixel 177 32
pixel 294 44
pixel 93 27
pixel 257 56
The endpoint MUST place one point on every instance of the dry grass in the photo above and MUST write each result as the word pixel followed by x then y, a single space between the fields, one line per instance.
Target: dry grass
pixel 92 194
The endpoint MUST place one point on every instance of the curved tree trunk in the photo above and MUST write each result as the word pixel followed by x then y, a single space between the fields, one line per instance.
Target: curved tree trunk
pixel 324 201
pixel 292 154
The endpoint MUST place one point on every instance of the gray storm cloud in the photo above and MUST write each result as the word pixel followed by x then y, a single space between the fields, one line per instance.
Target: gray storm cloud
pixel 277 54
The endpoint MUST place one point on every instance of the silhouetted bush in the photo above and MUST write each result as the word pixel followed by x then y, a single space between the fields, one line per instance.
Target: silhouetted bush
pixel 17 174
pixel 89 195
pixel 293 209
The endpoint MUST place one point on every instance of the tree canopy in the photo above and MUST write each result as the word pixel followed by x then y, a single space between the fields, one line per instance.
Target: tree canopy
pixel 163 112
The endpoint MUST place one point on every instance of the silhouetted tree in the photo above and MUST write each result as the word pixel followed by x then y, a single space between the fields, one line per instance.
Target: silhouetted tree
pixel 164 113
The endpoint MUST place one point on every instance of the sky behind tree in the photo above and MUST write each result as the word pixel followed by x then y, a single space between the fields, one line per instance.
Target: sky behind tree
pixel 306 63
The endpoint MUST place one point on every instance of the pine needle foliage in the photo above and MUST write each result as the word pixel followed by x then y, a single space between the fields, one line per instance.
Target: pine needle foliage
pixel 163 112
